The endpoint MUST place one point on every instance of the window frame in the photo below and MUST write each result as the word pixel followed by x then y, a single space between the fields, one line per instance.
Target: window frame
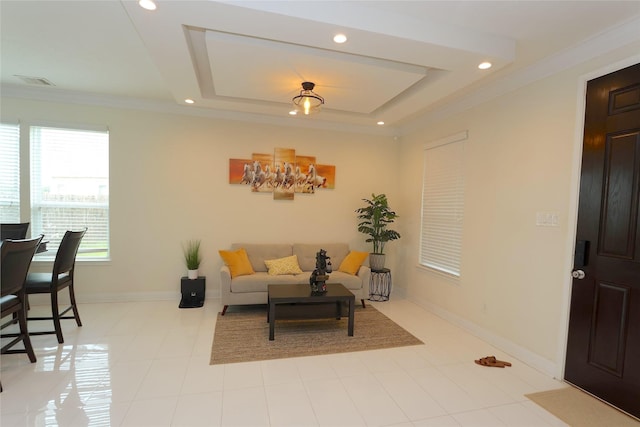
pixel 26 201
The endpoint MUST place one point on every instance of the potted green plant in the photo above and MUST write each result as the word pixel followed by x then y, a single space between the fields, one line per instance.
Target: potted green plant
pixel 192 258
pixel 374 218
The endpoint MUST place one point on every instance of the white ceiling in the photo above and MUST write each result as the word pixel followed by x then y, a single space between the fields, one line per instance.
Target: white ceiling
pixel 246 59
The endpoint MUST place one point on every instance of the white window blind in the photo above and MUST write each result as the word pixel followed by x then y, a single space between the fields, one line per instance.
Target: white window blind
pixel 70 187
pixel 443 205
pixel 9 172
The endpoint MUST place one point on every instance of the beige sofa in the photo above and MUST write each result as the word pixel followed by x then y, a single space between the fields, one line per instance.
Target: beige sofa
pixel 252 288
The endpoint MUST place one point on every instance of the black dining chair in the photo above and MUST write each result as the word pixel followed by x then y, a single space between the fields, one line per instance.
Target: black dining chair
pixel 61 277
pixel 15 258
pixel 14 231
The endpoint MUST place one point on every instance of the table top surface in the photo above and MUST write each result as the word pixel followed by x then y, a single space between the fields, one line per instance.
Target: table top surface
pixel 304 291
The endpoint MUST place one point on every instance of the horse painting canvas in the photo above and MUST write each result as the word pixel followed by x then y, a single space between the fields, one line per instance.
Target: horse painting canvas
pixel 282 173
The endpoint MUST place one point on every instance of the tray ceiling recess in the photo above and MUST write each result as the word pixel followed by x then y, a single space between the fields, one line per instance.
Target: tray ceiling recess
pixel 250 69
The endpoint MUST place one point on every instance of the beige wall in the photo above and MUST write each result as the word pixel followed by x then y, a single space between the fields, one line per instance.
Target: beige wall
pixel 522 157
pixel 169 183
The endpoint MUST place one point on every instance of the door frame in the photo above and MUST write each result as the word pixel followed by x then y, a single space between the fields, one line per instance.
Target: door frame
pixel 572 212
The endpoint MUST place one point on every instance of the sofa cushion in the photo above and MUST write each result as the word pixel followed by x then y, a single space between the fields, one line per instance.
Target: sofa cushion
pixel 352 262
pixel 259 252
pixel 306 253
pixel 237 261
pixel 258 282
pixel 286 265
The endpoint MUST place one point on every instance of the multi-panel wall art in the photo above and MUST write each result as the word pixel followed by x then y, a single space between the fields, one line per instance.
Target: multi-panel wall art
pixel 282 173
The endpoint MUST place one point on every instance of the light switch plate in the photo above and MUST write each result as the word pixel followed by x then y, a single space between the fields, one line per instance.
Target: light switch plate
pixel 547 219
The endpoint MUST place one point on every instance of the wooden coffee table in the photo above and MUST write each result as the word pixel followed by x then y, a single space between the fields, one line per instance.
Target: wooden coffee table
pixel 301 294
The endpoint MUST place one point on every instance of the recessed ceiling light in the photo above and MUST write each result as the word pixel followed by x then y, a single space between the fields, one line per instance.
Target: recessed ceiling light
pixel 339 38
pixel 147 4
pixel 293 112
pixel 189 101
pixel 380 123
pixel 485 65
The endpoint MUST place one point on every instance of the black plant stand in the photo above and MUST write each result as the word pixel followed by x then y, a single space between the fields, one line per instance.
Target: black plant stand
pixel 380 285
pixel 192 292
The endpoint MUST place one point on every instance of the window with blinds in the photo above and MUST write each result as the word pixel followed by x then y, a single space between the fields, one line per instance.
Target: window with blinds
pixel 443 205
pixel 9 172
pixel 70 187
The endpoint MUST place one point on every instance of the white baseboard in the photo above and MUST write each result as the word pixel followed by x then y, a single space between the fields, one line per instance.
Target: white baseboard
pixel 129 296
pixel 517 351
pixel 43 299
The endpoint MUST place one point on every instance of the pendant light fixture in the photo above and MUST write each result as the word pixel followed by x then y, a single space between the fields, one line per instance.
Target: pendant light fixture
pixel 308 101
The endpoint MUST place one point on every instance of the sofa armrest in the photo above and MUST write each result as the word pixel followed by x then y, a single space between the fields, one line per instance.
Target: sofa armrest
pixel 225 283
pixel 364 273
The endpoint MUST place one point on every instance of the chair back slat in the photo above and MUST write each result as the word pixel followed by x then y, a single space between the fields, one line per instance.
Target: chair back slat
pixel 14 231
pixel 15 261
pixel 66 255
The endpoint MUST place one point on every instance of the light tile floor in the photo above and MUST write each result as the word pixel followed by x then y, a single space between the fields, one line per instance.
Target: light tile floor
pixel 147 364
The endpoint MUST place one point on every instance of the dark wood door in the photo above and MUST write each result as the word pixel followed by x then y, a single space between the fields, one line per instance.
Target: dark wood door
pixel 603 347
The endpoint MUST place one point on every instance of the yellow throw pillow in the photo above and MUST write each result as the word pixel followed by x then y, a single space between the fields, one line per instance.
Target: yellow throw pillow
pixel 238 262
pixel 286 265
pixel 352 262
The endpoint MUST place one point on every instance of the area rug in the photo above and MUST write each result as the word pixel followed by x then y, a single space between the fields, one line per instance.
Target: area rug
pixel 579 409
pixel 242 335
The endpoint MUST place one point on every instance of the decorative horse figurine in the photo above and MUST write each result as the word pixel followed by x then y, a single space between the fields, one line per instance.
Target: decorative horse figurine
pixel 318 278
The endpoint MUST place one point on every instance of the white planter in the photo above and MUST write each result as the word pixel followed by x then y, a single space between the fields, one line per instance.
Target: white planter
pixel 376 261
pixel 192 274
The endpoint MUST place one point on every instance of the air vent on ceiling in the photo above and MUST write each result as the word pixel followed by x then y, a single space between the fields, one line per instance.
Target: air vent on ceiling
pixel 36 81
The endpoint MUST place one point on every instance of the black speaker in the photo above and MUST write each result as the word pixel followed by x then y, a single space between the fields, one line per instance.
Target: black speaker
pixel 192 292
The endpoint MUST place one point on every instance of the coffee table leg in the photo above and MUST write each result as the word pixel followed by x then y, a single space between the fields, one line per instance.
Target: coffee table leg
pixel 338 310
pixel 272 320
pixel 351 307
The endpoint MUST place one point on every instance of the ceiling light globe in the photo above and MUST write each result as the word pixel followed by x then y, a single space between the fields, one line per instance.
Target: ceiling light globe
pixel 307 101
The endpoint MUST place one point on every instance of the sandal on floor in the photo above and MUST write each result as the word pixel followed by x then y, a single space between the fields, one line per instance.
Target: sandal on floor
pixel 489 361
pixel 503 362
pixel 492 362
pixel 500 362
